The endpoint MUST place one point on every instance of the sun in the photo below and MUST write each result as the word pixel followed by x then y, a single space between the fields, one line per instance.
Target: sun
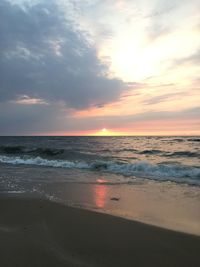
pixel 105 132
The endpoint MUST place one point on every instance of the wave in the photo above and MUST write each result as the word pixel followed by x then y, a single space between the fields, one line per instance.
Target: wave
pixel 151 152
pixel 177 140
pixel 183 154
pixel 46 152
pixel 188 154
pixel 158 152
pixel 194 139
pixel 143 169
pixel 25 150
pixel 56 153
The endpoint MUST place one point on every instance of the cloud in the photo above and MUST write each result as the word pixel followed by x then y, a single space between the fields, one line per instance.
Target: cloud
pixel 162 115
pixel 139 122
pixel 49 64
pixel 31 119
pixel 43 55
pixel 128 121
pixel 162 98
pixel 192 59
pixel 26 100
pixel 26 119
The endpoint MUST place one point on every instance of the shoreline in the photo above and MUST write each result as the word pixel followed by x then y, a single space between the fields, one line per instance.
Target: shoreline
pixel 38 232
pixel 164 204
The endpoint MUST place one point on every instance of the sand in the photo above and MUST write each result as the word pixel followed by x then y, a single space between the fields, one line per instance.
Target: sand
pixel 36 232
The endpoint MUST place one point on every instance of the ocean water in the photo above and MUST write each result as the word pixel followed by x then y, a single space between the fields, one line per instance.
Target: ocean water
pixel 155 180
pixel 174 159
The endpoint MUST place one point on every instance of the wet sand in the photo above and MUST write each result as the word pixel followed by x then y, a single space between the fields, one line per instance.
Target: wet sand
pixel 37 232
pixel 163 204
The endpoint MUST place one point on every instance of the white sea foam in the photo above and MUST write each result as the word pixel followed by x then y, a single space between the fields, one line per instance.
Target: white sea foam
pixel 14 192
pixel 43 162
pixel 178 173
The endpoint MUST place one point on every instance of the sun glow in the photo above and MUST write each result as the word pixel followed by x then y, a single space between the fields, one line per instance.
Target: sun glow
pixel 106 132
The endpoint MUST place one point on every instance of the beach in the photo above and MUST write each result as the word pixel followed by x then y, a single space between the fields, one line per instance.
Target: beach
pixel 36 232
pixel 99 133
pixel 90 201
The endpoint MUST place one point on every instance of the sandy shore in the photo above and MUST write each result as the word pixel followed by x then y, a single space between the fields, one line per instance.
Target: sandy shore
pixel 163 204
pixel 41 233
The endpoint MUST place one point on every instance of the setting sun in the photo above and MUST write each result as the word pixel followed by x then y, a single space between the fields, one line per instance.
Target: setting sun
pixel 99 110
pixel 106 132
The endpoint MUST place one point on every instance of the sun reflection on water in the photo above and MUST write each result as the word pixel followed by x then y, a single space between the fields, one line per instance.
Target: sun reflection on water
pixel 100 193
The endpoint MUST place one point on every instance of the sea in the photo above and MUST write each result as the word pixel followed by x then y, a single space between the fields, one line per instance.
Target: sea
pixel 153 179
pixel 174 159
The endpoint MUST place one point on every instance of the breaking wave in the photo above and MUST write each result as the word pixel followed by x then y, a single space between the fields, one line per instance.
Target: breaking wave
pixel 47 152
pixel 194 139
pixel 183 154
pixel 26 150
pixel 143 169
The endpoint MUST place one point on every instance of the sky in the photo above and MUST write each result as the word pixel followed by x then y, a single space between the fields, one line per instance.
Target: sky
pixel 99 67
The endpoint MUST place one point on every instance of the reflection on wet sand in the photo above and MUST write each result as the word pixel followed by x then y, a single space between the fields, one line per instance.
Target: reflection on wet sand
pixel 100 193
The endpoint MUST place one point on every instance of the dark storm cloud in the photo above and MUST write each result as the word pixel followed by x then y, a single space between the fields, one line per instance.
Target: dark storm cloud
pixel 43 55
pixel 30 119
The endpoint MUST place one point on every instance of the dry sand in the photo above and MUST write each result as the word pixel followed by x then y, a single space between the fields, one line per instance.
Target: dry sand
pixel 42 233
